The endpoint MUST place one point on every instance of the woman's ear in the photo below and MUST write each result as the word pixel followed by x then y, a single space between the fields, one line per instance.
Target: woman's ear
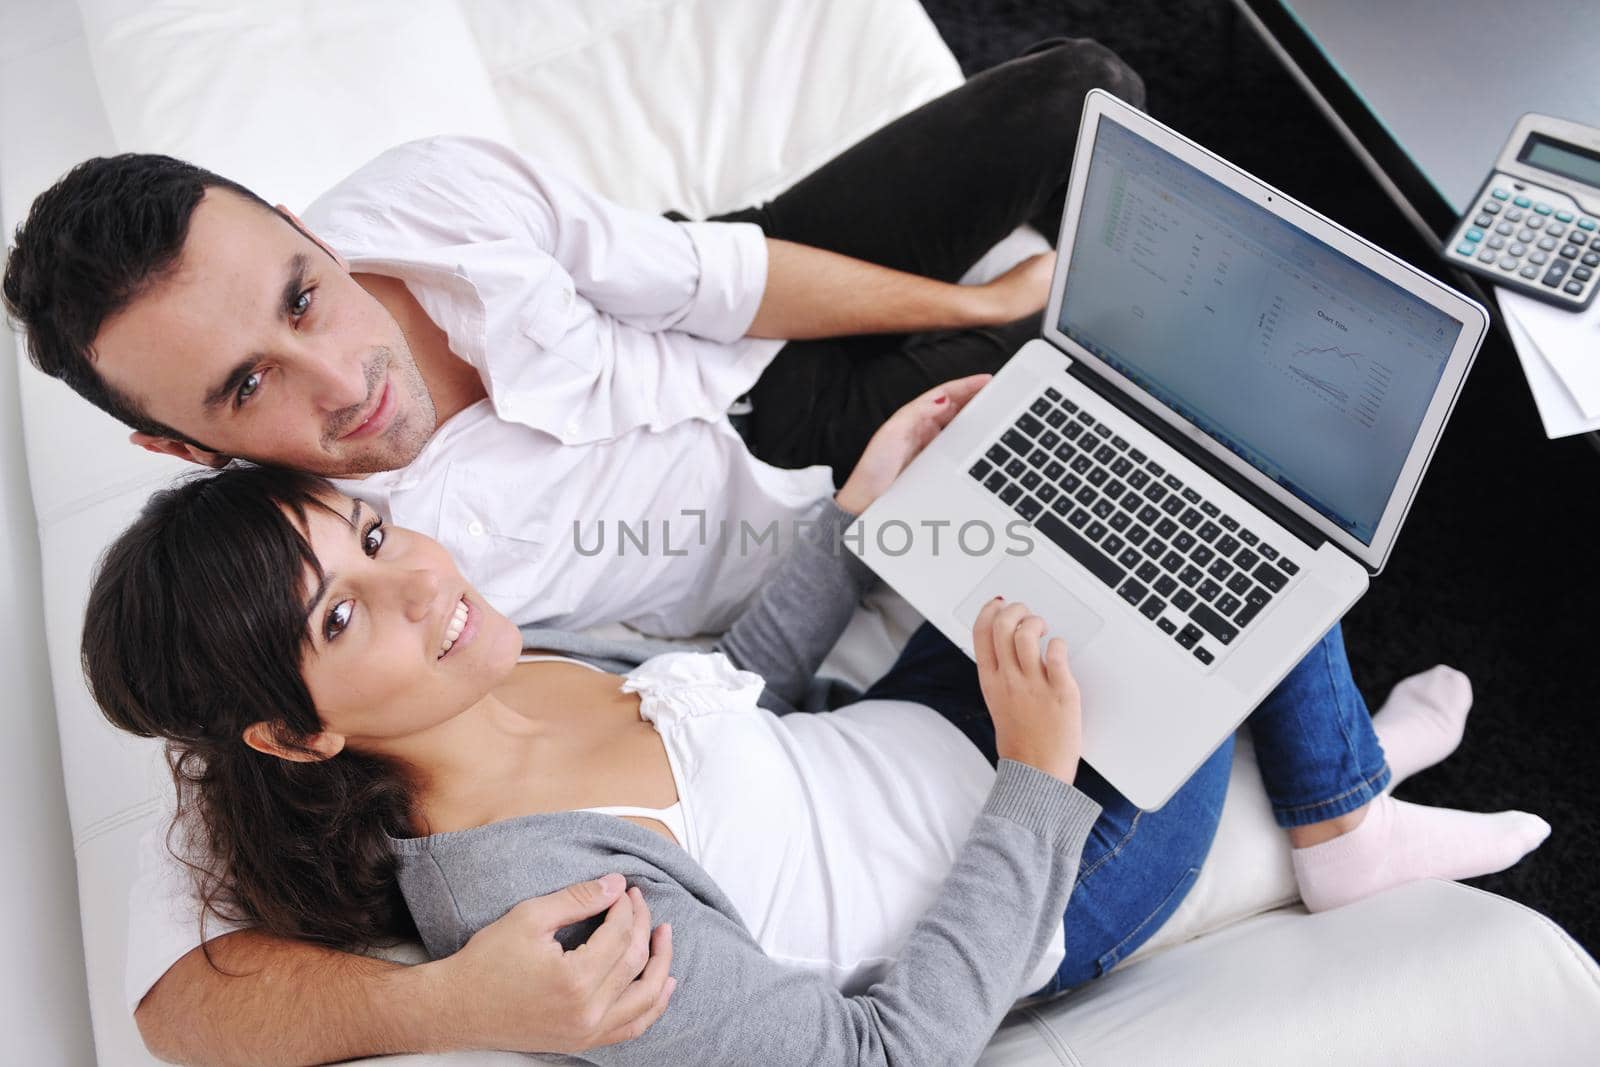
pixel 265 737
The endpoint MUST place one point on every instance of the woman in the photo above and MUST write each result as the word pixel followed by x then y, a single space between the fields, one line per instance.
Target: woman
pixel 349 720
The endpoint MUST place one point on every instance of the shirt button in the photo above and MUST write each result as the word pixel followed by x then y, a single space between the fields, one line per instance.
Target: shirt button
pixel 475 528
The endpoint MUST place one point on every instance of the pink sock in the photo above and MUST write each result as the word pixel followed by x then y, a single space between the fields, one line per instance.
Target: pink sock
pixel 1399 842
pixel 1422 721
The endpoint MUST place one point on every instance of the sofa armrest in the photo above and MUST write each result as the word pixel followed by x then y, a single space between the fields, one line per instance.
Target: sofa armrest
pixel 1430 973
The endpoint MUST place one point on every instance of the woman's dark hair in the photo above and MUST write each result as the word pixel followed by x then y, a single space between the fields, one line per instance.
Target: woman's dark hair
pixel 195 629
pixel 92 243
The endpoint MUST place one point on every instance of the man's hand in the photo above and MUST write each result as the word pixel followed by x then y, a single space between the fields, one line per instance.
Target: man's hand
pixel 1022 290
pixel 901 438
pixel 282 1002
pixel 514 987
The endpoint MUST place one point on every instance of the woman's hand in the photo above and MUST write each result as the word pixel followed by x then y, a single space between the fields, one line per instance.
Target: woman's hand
pixel 1032 698
pixel 901 438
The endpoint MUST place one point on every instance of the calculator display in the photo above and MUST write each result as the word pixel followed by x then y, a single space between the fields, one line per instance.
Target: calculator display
pixel 1563 159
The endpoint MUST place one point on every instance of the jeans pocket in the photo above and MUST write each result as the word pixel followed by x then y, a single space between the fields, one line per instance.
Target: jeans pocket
pixel 1148 926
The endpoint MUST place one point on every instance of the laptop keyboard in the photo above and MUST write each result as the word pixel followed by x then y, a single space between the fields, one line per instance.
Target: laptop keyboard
pixel 1175 557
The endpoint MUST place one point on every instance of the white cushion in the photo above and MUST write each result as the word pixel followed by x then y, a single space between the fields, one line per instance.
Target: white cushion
pixel 703 106
pixel 285 97
pixel 1431 973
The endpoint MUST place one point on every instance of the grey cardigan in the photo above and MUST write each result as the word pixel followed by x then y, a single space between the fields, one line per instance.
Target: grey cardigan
pixel 955 977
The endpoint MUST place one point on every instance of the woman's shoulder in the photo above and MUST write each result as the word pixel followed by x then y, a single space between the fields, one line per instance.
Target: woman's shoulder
pixel 458 882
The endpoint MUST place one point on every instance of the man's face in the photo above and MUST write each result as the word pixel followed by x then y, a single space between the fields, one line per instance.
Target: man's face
pixel 259 344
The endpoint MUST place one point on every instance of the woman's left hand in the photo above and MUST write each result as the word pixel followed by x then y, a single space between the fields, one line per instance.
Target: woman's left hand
pixel 901 438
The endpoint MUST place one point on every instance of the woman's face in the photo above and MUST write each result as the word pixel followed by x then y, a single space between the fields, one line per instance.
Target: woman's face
pixel 399 642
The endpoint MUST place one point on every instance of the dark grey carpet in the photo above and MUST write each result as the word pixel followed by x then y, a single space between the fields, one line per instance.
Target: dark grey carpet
pixel 1495 571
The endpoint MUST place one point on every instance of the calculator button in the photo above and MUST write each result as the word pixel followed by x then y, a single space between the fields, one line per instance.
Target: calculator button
pixel 1543 209
pixel 1591 260
pixel 1552 278
pixel 1505 229
pixel 1560 266
pixel 1538 259
pixel 1508 264
pixel 1586 224
pixel 1483 220
pixel 1578 237
pixel 1497 243
pixel 1522 201
pixel 1500 194
pixel 1517 250
pixel 1569 251
pixel 1474 235
pixel 1555 229
pixel 1514 215
pixel 1583 274
pixel 1548 244
pixel 1564 216
pixel 1491 208
pixel 1535 223
pixel 1529 272
pixel 1525 236
pixel 1486 256
pixel 1574 288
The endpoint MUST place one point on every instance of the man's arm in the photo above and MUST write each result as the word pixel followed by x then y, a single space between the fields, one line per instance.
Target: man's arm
pixel 814 293
pixel 275 1001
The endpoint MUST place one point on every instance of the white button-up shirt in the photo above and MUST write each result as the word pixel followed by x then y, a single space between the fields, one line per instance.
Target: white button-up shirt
pixel 600 482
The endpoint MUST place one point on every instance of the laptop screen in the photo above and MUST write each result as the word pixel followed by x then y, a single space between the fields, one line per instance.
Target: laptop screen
pixel 1311 367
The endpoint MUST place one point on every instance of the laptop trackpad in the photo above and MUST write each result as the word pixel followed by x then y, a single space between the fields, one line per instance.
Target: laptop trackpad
pixel 1016 579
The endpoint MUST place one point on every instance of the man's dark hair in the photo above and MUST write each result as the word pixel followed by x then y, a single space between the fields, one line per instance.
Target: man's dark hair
pixel 92 243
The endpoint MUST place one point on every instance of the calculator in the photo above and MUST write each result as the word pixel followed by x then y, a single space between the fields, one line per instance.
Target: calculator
pixel 1534 224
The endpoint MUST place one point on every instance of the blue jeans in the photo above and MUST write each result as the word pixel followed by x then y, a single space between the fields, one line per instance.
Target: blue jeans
pixel 1314 741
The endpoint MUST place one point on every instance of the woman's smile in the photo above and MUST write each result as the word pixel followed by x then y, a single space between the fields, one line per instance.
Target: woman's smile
pixel 460 628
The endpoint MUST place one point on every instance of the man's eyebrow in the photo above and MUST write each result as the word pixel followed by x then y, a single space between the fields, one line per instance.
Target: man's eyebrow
pixel 224 391
pixel 299 267
pixel 329 576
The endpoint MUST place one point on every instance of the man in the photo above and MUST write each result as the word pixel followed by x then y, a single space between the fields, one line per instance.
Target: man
pixel 487 352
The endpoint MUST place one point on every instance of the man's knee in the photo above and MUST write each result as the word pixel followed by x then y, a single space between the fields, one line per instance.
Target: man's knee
pixel 1073 65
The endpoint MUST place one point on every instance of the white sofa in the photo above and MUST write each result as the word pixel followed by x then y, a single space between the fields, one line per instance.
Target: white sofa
pixel 695 104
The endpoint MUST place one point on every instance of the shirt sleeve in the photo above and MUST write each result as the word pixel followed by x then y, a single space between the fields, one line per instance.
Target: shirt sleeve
pixel 585 318
pixel 164 913
pixel 700 278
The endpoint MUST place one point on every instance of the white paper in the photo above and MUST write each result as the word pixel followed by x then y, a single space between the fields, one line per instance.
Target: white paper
pixel 1568 340
pixel 1557 409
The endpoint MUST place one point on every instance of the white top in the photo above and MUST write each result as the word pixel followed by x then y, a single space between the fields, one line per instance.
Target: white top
pixel 611 343
pixel 831 833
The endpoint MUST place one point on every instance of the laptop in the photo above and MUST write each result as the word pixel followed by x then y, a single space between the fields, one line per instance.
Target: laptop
pixel 1193 473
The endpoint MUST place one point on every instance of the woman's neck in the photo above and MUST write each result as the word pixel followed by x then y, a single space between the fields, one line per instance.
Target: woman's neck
pixel 463 764
pixel 550 737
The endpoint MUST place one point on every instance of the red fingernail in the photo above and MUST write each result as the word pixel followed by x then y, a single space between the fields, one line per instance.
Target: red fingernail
pixel 940 399
pixel 999 598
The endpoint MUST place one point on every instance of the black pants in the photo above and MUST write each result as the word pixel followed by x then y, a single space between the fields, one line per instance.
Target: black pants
pixel 930 193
